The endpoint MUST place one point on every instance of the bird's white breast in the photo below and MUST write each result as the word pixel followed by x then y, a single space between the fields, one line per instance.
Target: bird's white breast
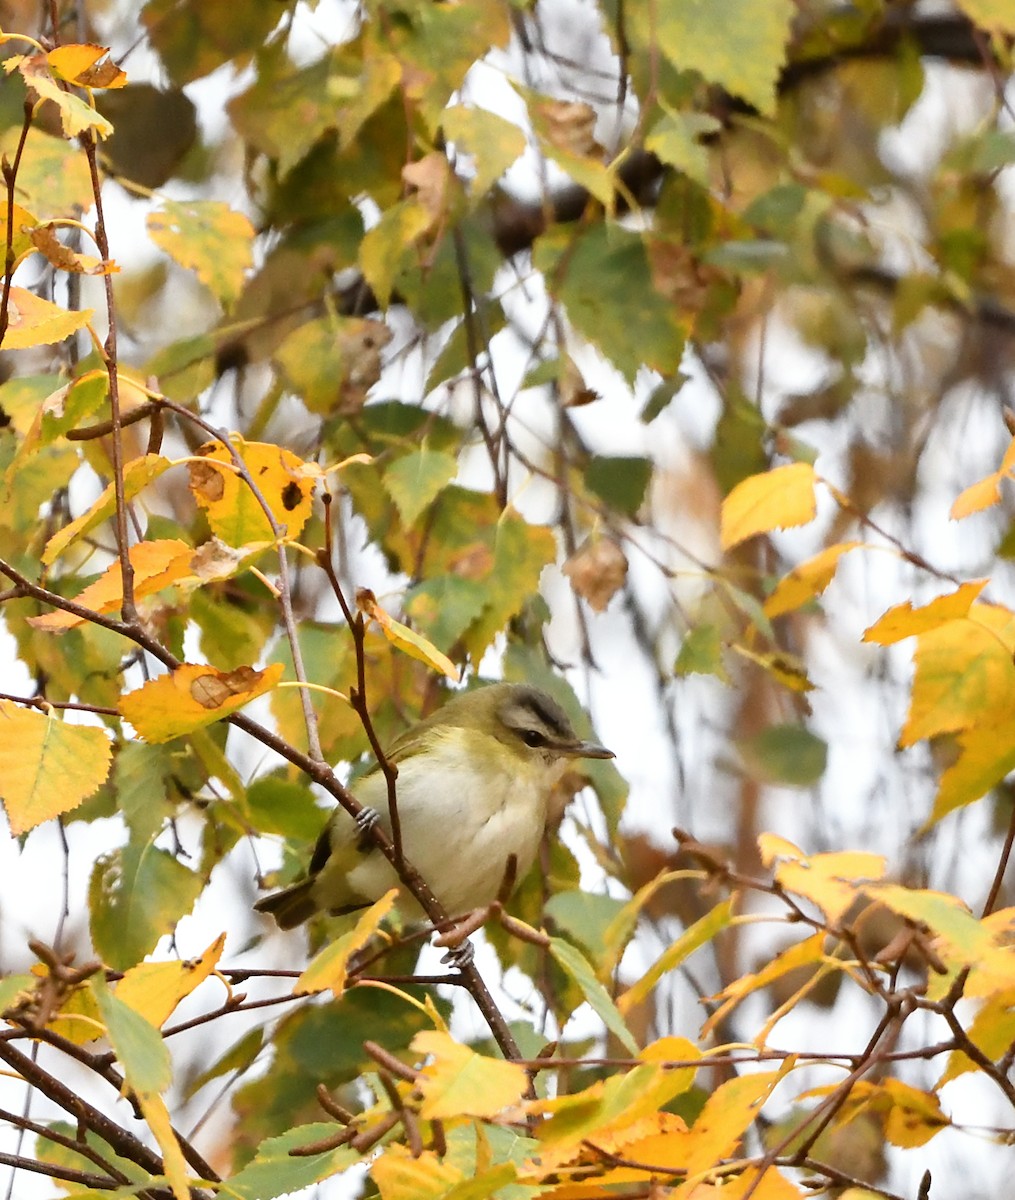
pixel 460 825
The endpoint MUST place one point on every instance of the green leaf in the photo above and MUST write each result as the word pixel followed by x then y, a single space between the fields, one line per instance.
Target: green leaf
pixel 193 37
pixel 444 607
pixel 785 754
pixel 673 138
pixel 415 480
pixel 493 143
pixel 283 806
pixel 621 481
pixel 584 918
pixel 274 1171
pixel 603 278
pixel 136 1042
pixel 574 963
pixel 137 894
pixel 701 654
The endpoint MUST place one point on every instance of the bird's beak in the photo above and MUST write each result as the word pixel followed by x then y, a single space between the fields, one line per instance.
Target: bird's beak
pixel 589 750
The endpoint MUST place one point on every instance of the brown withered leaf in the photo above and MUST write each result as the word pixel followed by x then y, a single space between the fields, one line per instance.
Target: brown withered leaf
pixel 211 691
pixel 569 125
pixel 597 571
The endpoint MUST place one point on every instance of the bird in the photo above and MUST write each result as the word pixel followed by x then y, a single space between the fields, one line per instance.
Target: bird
pixel 473 792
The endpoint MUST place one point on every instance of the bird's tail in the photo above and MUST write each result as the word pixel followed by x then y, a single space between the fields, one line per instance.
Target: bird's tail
pixel 291 906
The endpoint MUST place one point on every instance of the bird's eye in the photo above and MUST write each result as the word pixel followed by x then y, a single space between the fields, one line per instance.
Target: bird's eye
pixel 533 738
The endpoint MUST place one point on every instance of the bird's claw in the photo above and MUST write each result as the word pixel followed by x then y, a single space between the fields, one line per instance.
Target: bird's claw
pixel 459 956
pixel 365 820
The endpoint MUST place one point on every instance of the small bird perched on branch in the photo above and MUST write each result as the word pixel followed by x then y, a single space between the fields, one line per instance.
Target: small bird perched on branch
pixel 473 790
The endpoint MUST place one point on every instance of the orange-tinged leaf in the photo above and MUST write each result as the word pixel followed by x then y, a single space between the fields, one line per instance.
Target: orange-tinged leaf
pixel 903 620
pixel 156 565
pixel 914 1116
pixel 329 969
pixel 806 581
pixel 206 237
pixel 403 637
pixel 154 989
pixel 33 321
pixel 831 881
pixel 986 492
pixel 193 696
pixel 137 474
pixel 771 1186
pixel 235 513
pixel 778 499
pixel 964 674
pixel 809 952
pixel 47 767
pixel 459 1082
pixel 80 64
pixel 62 257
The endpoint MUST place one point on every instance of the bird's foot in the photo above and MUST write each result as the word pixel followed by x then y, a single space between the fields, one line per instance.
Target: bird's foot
pixel 460 956
pixel 456 935
pixel 365 820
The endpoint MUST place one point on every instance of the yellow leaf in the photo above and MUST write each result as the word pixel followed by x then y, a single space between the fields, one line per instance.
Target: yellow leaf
pixel 401 1175
pixel 987 491
pixel 831 881
pixel 806 581
pixel 47 767
pixel 157 1116
pixel 137 474
pixel 985 753
pixel 903 620
pixel 778 499
pixel 914 1116
pixel 235 513
pixel 193 696
pixel 404 638
pixel 728 1113
pixel 329 968
pixel 154 989
pixel 809 952
pixel 964 674
pixel 80 65
pixel 459 1082
pixel 33 321
pixel 156 565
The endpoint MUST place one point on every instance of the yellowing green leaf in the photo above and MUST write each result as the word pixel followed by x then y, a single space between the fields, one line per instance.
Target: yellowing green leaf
pixel 47 767
pixel 404 638
pixel 739 44
pixel 693 938
pixel 399 1174
pixel 208 238
pixel 333 362
pixel 76 115
pixel 384 246
pixel 806 581
pixel 193 696
pixel 329 969
pixel 137 474
pixel 32 321
pixel 492 142
pixel 459 1082
pixel 831 881
pixel 903 620
pixel 778 499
